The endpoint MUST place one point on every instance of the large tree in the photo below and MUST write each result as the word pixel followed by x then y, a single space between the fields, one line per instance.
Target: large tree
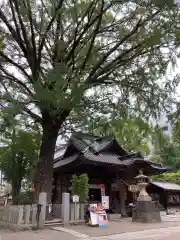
pixel 56 50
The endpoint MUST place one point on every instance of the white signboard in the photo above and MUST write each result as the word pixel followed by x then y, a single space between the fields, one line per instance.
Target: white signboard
pixel 75 198
pixel 94 218
pixel 105 202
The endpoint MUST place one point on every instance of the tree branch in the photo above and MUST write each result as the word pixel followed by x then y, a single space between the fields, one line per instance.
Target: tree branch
pixel 14 79
pixel 94 36
pixel 31 114
pixel 23 106
pixel 14 17
pixel 86 27
pixel 59 6
pixel 139 24
pixel 32 29
pixel 23 28
pixel 6 58
pixel 15 35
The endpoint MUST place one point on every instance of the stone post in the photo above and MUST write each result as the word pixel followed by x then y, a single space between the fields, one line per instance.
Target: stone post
pixel 65 208
pixel 34 214
pixel 20 215
pixel 82 212
pixel 42 201
pixel 27 213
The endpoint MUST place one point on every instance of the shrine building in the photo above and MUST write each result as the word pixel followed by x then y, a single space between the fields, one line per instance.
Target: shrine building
pixel 110 168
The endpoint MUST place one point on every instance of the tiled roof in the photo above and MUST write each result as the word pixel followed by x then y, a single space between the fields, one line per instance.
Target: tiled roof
pixel 65 161
pixel 167 185
pixel 110 159
pixel 100 150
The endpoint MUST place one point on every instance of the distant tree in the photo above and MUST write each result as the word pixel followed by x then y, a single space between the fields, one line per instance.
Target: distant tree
pixel 165 146
pixel 132 132
pixel 155 158
pixel 18 159
pixel 8 189
pixel 80 186
pixel 170 177
pixel 167 149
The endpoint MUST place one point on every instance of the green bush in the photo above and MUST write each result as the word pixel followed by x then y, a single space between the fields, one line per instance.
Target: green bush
pixel 26 198
pixel 80 186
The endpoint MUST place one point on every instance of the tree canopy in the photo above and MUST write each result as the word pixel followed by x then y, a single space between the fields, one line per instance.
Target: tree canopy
pixel 132 132
pixel 57 53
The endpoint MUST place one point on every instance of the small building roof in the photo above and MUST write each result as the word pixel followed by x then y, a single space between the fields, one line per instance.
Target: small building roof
pixel 167 185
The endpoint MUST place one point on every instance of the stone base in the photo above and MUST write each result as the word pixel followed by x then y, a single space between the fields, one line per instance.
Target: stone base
pixel 143 198
pixel 146 212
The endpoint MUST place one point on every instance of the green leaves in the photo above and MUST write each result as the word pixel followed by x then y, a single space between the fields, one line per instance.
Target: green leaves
pixel 78 45
pixel 177 35
pixel 161 3
pixel 19 155
pixel 80 186
pixel 75 185
pixel 169 177
pixel 132 132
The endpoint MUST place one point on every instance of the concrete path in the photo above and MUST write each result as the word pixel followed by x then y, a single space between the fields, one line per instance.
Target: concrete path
pixel 126 226
pixel 123 230
pixel 46 234
pixel 126 230
pixel 153 234
pixel 170 233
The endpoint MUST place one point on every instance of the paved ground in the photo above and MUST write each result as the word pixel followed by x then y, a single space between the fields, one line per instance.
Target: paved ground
pixel 126 225
pixel 152 234
pixel 46 234
pixel 169 229
pixel 175 236
pixel 166 234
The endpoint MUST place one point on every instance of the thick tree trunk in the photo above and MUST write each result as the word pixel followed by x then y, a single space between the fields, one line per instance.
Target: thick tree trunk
pixel 46 156
pixel 16 187
pixel 51 124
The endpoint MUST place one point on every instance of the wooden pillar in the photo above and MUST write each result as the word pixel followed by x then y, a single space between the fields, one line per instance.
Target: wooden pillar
pixel 122 196
pixel 58 190
pixel 110 195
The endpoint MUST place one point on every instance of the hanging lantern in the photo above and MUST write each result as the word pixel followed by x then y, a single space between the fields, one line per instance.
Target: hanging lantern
pixel 133 188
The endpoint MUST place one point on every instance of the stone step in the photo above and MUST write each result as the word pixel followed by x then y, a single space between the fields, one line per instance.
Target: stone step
pixel 50 225
pixel 58 222
pixel 115 217
pixel 53 222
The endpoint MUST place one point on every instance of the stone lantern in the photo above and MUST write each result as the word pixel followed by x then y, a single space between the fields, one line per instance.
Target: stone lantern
pixel 145 209
pixel 142 182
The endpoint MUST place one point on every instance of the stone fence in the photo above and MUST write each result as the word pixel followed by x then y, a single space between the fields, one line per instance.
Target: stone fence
pixel 76 212
pixel 23 217
pixel 18 217
pixel 71 213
